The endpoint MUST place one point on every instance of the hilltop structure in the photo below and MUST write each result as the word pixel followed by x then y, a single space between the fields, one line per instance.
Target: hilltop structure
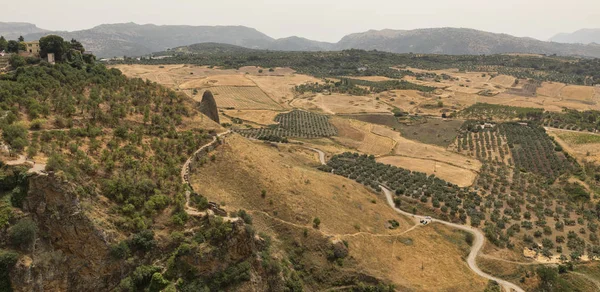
pixel 208 106
pixel 32 49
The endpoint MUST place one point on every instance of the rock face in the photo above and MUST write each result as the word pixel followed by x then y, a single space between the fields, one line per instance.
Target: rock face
pixel 208 106
pixel 71 253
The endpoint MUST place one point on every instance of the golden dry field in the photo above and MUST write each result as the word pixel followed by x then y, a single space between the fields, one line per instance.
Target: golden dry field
pixel 238 97
pixel 341 104
pixel 280 87
pixel 296 193
pixel 261 117
pixel 584 146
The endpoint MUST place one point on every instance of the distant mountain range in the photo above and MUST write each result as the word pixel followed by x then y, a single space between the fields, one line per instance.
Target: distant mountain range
pixel 12 30
pixel 130 39
pixel 582 36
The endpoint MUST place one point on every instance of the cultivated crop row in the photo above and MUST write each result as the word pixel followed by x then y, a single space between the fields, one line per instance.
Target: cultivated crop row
pixel 296 123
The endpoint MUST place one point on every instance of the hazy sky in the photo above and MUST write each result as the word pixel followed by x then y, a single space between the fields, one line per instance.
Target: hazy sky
pixel 325 20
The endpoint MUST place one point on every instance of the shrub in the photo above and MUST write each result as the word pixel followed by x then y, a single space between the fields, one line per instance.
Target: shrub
pixel 143 240
pixel 469 238
pixel 316 222
pixel 22 233
pixel 7 261
pixel 120 250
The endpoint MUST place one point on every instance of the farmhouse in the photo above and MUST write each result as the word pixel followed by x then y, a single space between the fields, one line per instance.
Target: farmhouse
pixel 32 49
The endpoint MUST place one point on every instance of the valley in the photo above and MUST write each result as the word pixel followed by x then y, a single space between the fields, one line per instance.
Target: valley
pixel 299 171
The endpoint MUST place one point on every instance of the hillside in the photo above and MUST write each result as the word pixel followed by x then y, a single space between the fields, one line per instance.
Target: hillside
pixel 109 197
pixel 458 41
pixel 130 39
pixel 12 30
pixel 582 36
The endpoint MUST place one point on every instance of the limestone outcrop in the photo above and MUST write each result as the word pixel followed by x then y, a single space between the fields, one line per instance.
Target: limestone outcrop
pixel 208 106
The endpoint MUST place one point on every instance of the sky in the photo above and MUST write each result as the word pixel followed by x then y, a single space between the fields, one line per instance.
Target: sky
pixel 323 20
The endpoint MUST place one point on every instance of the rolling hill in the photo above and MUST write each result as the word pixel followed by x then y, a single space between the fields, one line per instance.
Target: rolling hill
pixel 582 36
pixel 12 30
pixel 458 41
pixel 130 39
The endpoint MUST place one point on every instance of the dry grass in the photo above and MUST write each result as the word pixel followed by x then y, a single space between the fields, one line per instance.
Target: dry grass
pixel 280 88
pixel 410 148
pixel 456 175
pixel 261 117
pixel 503 80
pixel 425 259
pixel 583 146
pixel 241 98
pixel 359 135
pixel 341 104
pixel 217 80
pixel 296 193
pixel 550 89
pixel 383 141
pixel 575 92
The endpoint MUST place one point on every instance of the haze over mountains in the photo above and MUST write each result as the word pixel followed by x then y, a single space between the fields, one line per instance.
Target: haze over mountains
pixel 130 39
pixel 582 36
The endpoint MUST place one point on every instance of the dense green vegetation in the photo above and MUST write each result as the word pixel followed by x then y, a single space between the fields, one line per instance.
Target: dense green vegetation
pixel 128 126
pixel 7 261
pixel 414 185
pixel 519 181
pixel 357 87
pixel 567 119
pixel 533 150
pixel 574 120
pixel 296 123
pixel 486 111
pixel 375 63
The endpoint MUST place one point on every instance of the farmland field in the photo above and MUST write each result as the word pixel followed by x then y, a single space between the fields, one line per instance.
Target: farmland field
pixel 579 138
pixel 341 104
pixel 584 146
pixel 360 136
pixel 280 88
pixel 456 175
pixel 242 97
pixel 378 119
pixel 261 117
pixel 430 131
pixel 297 123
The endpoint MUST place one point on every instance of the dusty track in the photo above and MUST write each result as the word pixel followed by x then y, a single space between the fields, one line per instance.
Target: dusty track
pixel 475 248
pixel 185 173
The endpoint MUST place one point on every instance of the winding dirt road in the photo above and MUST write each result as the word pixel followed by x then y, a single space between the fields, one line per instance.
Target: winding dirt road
pixel 185 173
pixel 475 248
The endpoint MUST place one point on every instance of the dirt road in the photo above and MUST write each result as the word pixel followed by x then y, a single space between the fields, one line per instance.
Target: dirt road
pixel 185 173
pixel 475 248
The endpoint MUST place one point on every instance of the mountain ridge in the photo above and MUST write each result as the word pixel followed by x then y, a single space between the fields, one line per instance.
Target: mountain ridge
pixel 131 39
pixel 582 36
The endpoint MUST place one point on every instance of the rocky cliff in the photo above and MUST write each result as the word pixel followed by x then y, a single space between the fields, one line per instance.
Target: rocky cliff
pixel 208 106
pixel 70 253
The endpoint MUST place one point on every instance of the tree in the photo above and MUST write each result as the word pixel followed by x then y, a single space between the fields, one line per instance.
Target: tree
pixel 21 39
pixel 316 222
pixel 22 233
pixel 3 43
pixel 53 44
pixel 15 135
pixel 75 45
pixel 12 46
pixel 548 277
pixel 17 61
